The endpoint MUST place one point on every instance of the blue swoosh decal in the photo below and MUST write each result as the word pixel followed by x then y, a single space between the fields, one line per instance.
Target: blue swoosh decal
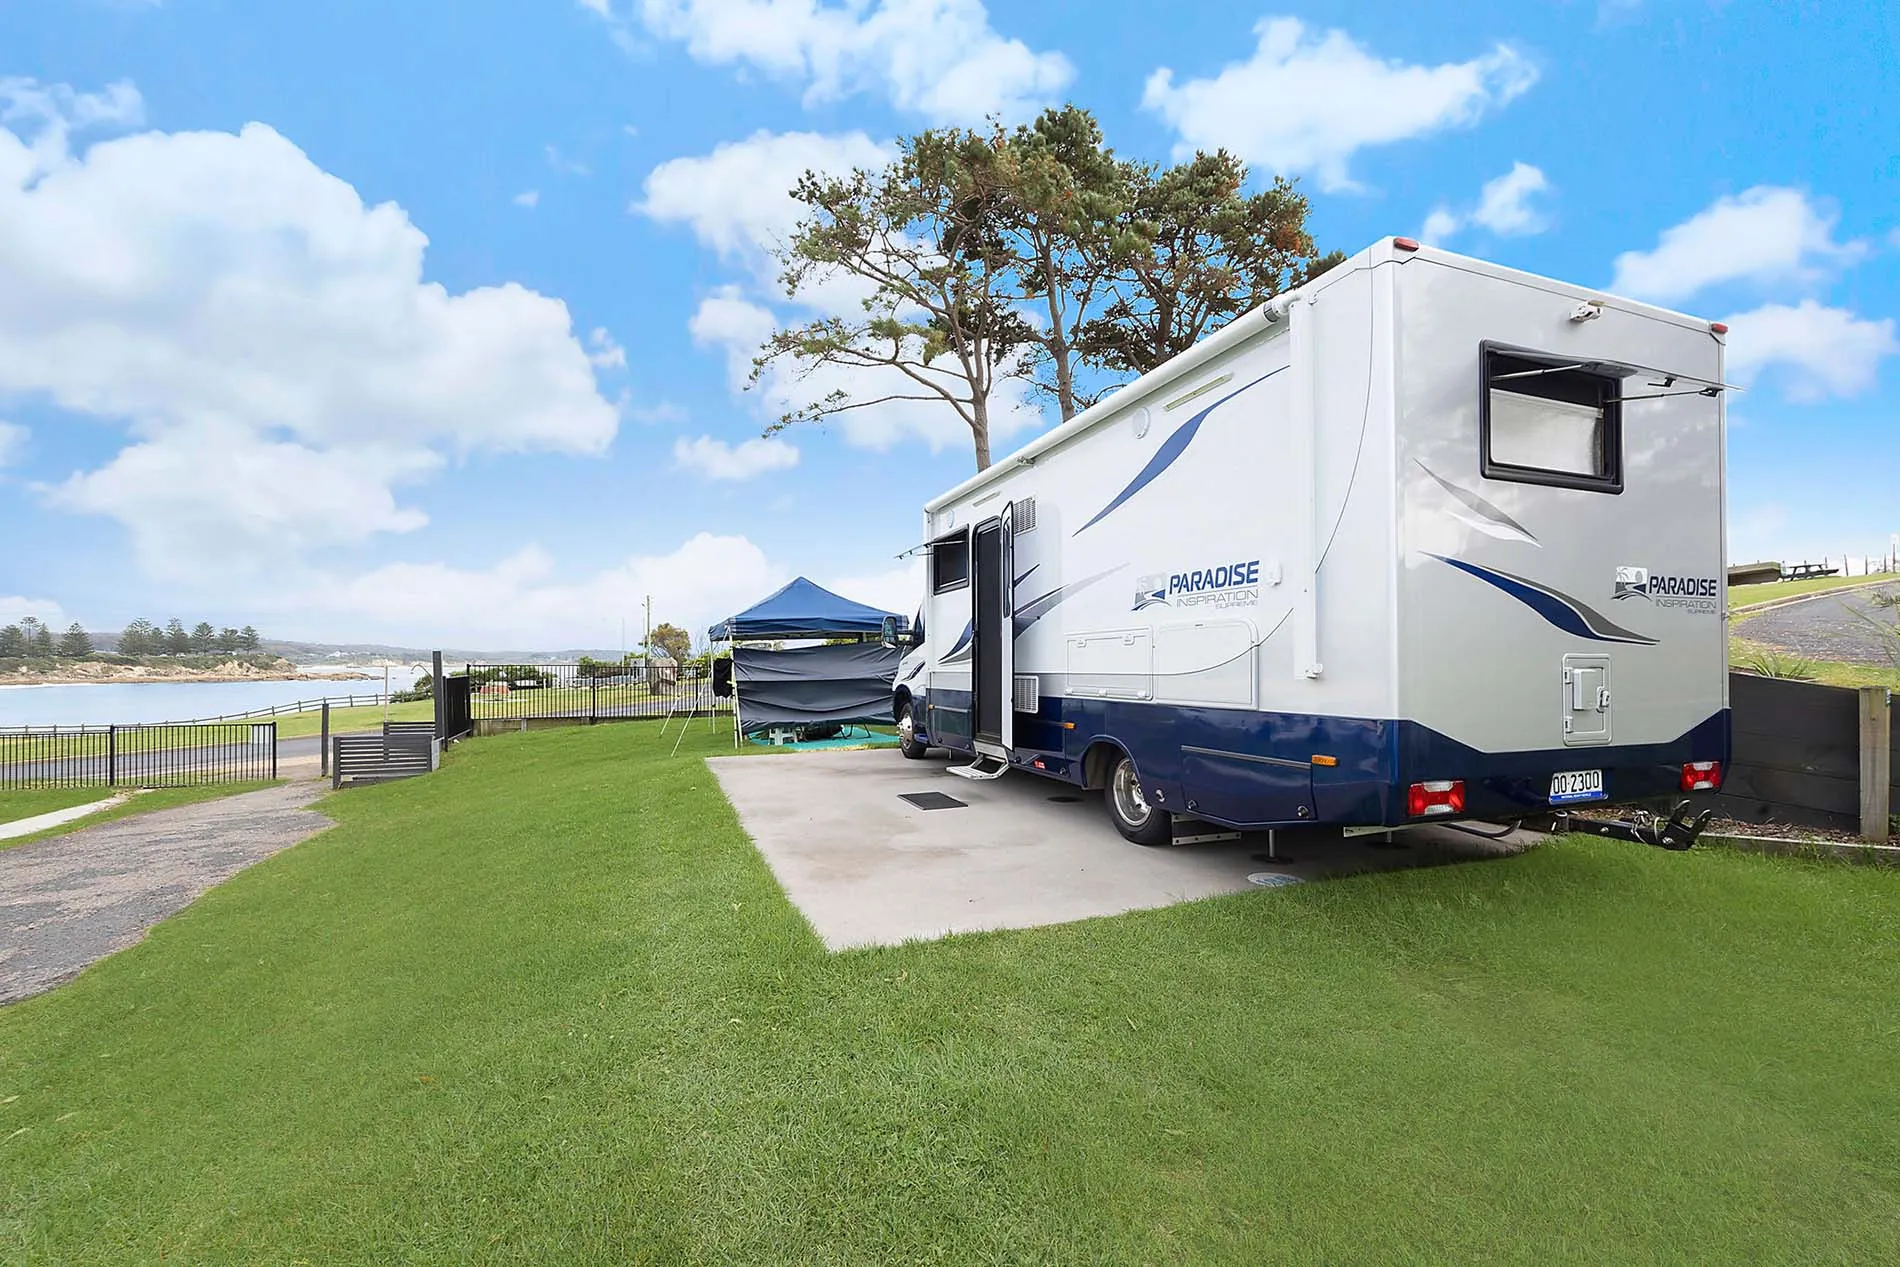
pixel 1034 610
pixel 1561 610
pixel 963 642
pixel 1171 449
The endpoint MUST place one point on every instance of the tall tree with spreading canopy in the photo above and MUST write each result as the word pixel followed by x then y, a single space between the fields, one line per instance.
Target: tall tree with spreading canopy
pixel 671 641
pixel 1199 251
pixel 76 643
pixel 1032 254
pixel 921 236
pixel 141 638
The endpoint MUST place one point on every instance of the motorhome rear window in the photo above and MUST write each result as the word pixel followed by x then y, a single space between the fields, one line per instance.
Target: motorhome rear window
pixel 950 562
pixel 1547 420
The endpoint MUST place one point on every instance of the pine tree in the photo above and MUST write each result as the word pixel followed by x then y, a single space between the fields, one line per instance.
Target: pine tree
pixel 77 644
pixel 204 639
pixel 177 641
pixel 12 643
pixel 228 639
pixel 43 642
pixel 141 637
pixel 247 638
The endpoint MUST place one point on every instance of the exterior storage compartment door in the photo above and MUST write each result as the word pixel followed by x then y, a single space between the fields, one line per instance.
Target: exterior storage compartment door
pixel 1238 787
pixel 1586 702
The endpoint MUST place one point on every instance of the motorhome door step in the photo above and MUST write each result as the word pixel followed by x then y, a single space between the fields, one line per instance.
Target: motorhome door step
pixel 931 800
pixel 978 769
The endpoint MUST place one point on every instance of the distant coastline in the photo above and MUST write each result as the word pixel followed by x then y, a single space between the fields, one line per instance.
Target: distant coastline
pixel 89 672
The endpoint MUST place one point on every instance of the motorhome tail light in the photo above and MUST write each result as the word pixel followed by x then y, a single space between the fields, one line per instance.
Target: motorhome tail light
pixel 1405 244
pixel 1441 796
pixel 1701 776
pixel 1720 327
pixel 1320 758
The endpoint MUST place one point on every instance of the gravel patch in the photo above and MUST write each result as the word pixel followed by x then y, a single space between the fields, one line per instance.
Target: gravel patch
pixel 68 901
pixel 1828 627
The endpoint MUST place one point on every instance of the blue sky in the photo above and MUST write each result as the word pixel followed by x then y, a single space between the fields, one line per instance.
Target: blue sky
pixel 419 321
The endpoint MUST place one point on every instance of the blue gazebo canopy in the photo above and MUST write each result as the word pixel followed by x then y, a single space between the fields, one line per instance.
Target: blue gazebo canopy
pixel 803 610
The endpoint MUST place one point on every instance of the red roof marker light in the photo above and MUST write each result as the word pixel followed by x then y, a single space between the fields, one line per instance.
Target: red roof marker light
pixel 1720 327
pixel 1405 244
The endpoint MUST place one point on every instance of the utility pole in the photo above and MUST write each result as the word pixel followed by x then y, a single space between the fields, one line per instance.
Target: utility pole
pixel 647 646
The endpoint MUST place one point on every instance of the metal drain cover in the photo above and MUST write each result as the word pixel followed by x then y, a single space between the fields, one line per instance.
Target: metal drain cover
pixel 931 800
pixel 1272 879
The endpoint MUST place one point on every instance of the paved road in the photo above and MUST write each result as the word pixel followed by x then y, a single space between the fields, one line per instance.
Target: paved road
pixel 130 769
pixel 70 900
pixel 1829 627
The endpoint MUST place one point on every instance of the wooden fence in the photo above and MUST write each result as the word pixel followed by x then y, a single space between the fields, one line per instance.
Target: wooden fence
pixel 1811 756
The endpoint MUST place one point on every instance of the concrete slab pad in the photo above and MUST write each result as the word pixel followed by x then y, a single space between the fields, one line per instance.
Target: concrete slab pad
pixel 869 868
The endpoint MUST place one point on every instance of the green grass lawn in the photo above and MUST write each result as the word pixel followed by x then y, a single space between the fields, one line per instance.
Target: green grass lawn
pixel 344 720
pixel 143 803
pixel 549 1006
pixel 25 804
pixel 1744 654
pixel 1748 595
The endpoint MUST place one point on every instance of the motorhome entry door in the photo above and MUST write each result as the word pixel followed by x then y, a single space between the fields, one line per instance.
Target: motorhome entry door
pixel 993 644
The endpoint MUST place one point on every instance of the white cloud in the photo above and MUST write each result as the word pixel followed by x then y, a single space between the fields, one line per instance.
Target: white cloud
pixel 603 353
pixel 715 459
pixel 564 165
pixel 1765 235
pixel 1504 204
pixel 529 198
pixel 664 411
pixel 737 199
pixel 15 607
pixel 520 602
pixel 1307 102
pixel 728 321
pixel 897 589
pixel 211 290
pixel 1504 207
pixel 13 438
pixel 1822 351
pixel 1439 225
pixel 215 498
pixel 937 58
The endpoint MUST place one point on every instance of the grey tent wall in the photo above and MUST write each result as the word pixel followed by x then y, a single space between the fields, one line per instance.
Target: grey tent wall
pixel 807 685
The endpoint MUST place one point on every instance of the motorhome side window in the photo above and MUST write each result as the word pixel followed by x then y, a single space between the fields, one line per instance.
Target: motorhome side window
pixel 1546 420
pixel 950 562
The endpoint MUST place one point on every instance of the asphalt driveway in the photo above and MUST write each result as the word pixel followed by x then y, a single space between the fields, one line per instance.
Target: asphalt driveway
pixel 70 900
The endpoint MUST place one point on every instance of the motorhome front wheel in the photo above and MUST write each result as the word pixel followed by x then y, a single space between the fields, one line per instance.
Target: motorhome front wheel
pixel 907 741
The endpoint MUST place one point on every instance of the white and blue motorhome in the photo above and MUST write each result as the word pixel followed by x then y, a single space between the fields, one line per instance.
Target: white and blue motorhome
pixel 1426 539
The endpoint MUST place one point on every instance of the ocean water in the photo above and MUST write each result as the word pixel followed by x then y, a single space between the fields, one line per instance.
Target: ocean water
pixel 129 703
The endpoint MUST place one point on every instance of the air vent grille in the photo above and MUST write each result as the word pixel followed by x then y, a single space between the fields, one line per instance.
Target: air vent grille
pixel 1028 693
pixel 1025 515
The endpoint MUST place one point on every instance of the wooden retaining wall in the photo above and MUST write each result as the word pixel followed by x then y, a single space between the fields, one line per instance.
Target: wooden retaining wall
pixel 1797 757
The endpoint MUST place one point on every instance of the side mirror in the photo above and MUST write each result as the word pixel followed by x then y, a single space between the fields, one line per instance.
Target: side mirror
pixel 890 637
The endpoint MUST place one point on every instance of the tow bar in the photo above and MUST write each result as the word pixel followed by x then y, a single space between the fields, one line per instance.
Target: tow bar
pixel 1677 832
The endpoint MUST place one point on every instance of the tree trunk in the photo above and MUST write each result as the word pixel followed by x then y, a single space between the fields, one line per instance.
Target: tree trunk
pixel 980 431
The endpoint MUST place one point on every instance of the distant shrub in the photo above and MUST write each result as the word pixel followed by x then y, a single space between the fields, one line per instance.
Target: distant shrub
pixel 1776 663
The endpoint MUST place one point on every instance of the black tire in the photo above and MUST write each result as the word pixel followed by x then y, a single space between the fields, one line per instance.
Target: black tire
pixel 907 741
pixel 1134 817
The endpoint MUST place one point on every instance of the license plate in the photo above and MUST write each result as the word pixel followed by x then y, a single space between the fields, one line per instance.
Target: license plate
pixel 1576 785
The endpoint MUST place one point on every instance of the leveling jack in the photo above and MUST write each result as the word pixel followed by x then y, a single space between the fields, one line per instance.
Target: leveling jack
pixel 1677 832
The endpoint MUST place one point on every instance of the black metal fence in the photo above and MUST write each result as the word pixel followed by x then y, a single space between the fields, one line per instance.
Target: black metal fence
pixel 584 693
pixel 137 756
